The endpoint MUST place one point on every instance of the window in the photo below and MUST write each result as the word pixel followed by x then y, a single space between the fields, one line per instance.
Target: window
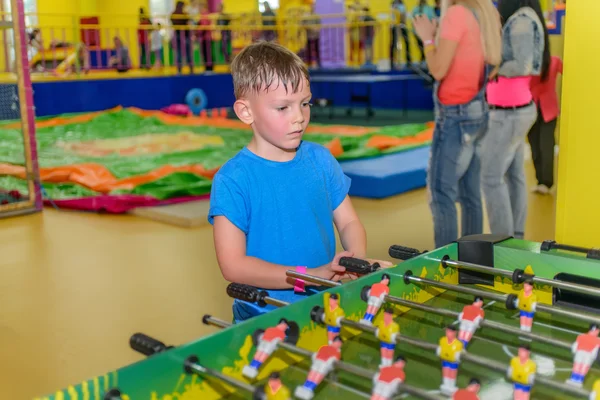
pixel 160 10
pixel 30 7
pixel 273 3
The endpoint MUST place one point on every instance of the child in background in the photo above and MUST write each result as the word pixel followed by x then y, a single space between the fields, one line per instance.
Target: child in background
pixel 541 134
pixel 273 205
pixel 156 45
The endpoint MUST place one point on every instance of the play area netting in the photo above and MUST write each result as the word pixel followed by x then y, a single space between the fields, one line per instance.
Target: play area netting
pixel 119 159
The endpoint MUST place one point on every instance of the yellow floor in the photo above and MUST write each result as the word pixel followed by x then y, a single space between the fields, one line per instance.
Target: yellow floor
pixel 75 286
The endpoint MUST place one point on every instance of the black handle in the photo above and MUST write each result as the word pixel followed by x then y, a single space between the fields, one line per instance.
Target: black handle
pixel 246 293
pixel 548 245
pixel 358 266
pixel 146 345
pixel 402 252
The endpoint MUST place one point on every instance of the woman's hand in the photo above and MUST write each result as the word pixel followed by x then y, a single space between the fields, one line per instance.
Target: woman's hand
pixel 424 27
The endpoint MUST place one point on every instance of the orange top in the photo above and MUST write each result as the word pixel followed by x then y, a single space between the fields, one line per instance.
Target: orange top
pixel 587 342
pixel 464 77
pixel 325 353
pixel 471 312
pixel 544 93
pixel 273 333
pixel 378 289
pixel 464 394
pixel 390 374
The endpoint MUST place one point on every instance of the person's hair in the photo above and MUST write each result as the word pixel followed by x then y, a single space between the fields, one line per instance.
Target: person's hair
pixel 508 7
pixel 264 64
pixel 489 25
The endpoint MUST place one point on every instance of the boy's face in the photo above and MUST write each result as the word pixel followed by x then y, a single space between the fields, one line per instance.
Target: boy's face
pixel 278 119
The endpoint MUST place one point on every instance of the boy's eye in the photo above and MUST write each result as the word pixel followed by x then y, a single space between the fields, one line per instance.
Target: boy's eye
pixel 281 108
pixel 307 105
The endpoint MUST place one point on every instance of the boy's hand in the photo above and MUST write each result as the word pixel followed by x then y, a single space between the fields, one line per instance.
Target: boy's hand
pixel 333 271
pixel 382 264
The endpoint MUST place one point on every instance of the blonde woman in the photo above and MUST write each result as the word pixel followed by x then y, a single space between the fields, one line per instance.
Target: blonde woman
pixel 460 55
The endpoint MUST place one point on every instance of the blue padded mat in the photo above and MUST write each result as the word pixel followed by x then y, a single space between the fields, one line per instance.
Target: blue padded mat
pixel 388 175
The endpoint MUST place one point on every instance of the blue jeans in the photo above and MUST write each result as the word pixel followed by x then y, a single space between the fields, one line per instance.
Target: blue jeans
pixel 503 172
pixel 454 169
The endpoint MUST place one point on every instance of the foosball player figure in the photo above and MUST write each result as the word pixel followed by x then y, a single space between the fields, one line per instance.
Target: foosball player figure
pixel 585 349
pixel 323 362
pixel 388 380
pixel 376 296
pixel 522 373
pixel 333 315
pixel 267 344
pixel 449 351
pixel 274 389
pixel 470 392
pixel 386 332
pixel 526 302
pixel 470 318
pixel 595 393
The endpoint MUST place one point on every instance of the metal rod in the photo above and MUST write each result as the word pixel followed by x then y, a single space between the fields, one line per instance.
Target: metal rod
pixel 311 278
pixel 275 302
pixel 457 288
pixel 454 314
pixel 574 287
pixel 199 369
pixel 484 323
pixel 502 298
pixel 341 365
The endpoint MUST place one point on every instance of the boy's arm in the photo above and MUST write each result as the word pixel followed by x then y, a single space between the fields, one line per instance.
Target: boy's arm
pixel 351 230
pixel 236 266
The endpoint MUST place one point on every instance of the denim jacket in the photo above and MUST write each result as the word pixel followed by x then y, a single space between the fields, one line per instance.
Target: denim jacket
pixel 522 44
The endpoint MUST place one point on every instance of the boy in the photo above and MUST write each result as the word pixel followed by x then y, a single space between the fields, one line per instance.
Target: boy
pixel 274 204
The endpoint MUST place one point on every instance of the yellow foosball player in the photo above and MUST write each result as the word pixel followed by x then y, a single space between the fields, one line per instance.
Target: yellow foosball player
pixel 333 315
pixel 386 332
pixel 449 350
pixel 526 302
pixel 274 389
pixel 595 393
pixel 522 371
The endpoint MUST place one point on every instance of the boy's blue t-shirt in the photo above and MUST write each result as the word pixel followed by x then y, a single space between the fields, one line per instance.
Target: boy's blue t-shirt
pixel 284 208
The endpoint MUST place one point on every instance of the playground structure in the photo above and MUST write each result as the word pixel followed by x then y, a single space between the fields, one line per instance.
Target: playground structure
pixel 17 103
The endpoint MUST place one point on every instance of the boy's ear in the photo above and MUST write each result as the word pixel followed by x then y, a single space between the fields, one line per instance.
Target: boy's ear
pixel 243 112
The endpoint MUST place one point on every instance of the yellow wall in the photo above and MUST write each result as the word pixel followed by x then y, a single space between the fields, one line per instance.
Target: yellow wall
pixel 240 6
pixel 577 211
pixel 56 19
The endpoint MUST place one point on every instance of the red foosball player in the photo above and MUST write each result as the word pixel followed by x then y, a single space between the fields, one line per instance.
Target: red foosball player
pixel 470 318
pixel 323 362
pixel 388 380
pixel 376 297
pixel 267 343
pixel 449 351
pixel 585 349
pixel 522 372
pixel 470 392
pixel 275 390
pixel 526 302
pixel 386 332
pixel 333 315
pixel 595 393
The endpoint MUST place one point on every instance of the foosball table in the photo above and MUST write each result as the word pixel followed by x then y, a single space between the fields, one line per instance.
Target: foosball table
pixel 487 317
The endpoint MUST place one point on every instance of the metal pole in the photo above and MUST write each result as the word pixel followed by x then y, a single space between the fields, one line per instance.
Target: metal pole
pixel 199 369
pixel 502 298
pixel 451 314
pixel 341 365
pixel 574 287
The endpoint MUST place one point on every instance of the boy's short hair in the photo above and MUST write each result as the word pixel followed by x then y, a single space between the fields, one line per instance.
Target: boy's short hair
pixel 262 64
